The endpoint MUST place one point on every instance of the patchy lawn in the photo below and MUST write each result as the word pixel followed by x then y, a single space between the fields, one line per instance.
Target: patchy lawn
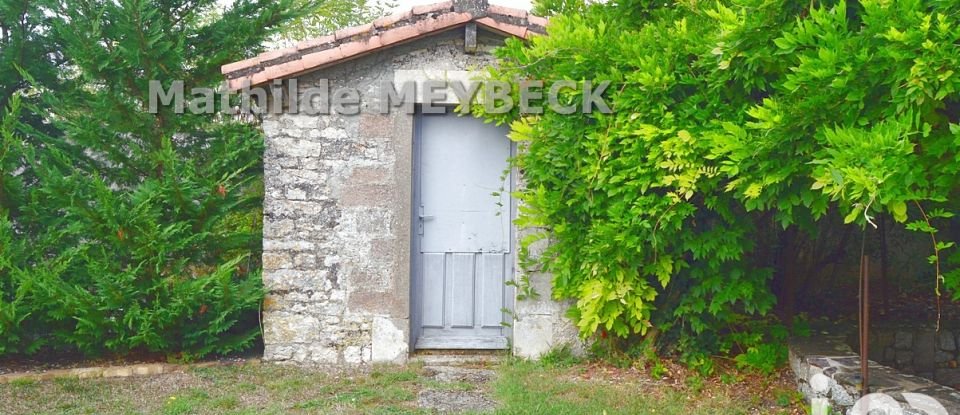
pixel 520 388
pixel 245 389
pixel 529 388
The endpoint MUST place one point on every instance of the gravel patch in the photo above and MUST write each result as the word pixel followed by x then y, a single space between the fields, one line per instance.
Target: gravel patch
pixel 459 374
pixel 452 402
pixel 455 400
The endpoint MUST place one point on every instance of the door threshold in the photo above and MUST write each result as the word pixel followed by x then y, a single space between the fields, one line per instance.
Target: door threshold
pixel 467 343
pixel 458 352
pixel 459 357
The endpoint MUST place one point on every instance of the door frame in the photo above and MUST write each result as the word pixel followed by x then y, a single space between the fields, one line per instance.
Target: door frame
pixel 416 260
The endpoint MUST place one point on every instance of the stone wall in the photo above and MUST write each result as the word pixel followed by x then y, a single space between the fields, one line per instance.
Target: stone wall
pixel 917 350
pixel 828 374
pixel 337 219
pixel 541 323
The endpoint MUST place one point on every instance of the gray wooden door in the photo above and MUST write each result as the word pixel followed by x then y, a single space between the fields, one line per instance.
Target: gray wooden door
pixel 462 247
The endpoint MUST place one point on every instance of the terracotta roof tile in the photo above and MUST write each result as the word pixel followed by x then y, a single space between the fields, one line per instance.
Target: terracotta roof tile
pixel 351 49
pixel 442 21
pixel 353 31
pixel 321 58
pixel 433 8
pixel 518 31
pixel 507 11
pixel 265 76
pixel 244 64
pixel 276 54
pixel 351 42
pixel 387 21
pixel 398 34
pixel 291 67
pixel 312 43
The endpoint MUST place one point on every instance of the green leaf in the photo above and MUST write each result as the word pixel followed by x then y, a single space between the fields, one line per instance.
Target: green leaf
pixel 899 211
pixel 853 215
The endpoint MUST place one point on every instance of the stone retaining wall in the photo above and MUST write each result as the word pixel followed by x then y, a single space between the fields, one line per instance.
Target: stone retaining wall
pixel 920 351
pixel 828 374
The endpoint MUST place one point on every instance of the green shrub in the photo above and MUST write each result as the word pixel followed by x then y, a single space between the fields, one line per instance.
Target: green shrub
pixel 159 268
pixel 764 358
pixel 14 312
pixel 560 356
pixel 124 230
pixel 731 121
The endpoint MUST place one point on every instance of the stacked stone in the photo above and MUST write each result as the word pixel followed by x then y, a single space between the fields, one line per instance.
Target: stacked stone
pixel 920 351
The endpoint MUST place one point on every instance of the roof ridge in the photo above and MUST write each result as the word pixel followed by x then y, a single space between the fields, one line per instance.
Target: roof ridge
pixel 390 30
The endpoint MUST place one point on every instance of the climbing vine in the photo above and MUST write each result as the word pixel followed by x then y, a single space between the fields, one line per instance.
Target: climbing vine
pixel 730 121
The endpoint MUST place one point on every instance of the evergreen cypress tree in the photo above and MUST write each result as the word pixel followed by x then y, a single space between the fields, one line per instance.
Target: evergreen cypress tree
pixel 162 210
pixel 25 48
pixel 148 225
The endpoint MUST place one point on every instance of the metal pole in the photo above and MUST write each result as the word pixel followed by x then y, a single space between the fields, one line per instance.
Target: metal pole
pixel 864 325
pixel 884 275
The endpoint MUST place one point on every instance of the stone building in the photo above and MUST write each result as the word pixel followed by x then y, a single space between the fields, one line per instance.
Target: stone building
pixel 386 233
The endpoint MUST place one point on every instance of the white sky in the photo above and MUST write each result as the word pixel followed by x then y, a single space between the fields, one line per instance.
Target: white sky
pixel 406 4
pixel 519 4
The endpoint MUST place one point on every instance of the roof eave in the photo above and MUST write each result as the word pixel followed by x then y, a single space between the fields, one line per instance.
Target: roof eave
pixel 385 32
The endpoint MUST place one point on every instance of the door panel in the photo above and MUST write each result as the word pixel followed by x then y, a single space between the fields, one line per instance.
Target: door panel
pixel 463 244
pixel 463 162
pixel 432 285
pixel 492 270
pixel 461 290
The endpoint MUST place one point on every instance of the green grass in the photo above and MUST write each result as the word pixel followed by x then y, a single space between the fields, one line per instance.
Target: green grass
pixel 248 389
pixel 535 388
pixel 23 383
pixel 560 385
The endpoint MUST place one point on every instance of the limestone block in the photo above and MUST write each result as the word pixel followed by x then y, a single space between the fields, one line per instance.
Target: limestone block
pixel 148 369
pixel 903 340
pixel 281 327
pixel 947 341
pixel 353 355
pixel 924 350
pixel 287 245
pixel 322 354
pixel 277 352
pixel 276 260
pixel 390 343
pixel 537 334
pixel 117 372
pixel 314 280
pixel 275 229
pixel 304 261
